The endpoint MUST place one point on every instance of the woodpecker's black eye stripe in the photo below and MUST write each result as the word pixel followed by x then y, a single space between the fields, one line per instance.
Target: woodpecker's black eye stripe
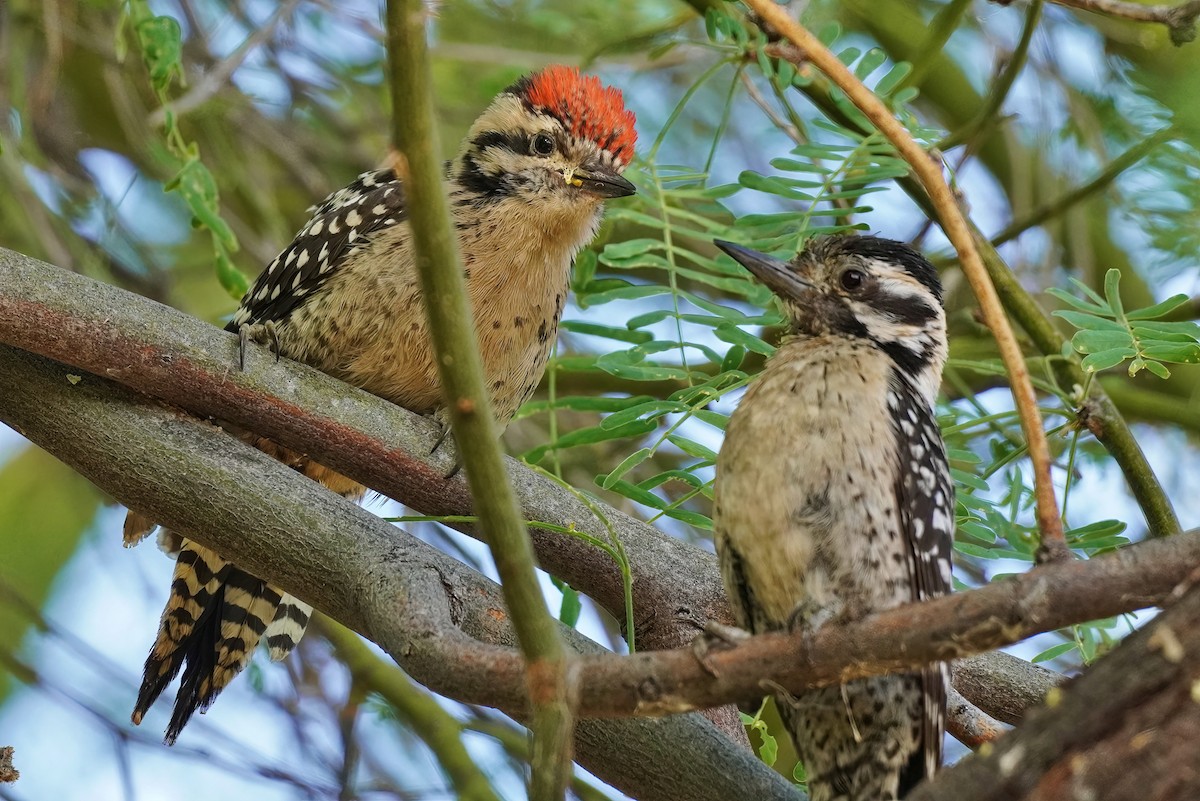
pixel 904 309
pixel 480 185
pixel 520 144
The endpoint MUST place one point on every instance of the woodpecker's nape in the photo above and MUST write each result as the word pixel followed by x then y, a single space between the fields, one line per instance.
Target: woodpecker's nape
pixel 833 497
pixel 526 190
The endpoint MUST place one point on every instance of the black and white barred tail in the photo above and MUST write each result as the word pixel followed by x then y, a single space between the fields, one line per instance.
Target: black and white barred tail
pixel 214 617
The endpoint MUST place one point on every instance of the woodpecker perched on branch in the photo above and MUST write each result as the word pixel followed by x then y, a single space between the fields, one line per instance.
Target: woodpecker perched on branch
pixel 527 190
pixel 833 498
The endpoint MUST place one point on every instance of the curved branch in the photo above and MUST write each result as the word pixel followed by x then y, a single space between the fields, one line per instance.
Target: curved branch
pixel 416 602
pixel 1124 731
pixel 443 622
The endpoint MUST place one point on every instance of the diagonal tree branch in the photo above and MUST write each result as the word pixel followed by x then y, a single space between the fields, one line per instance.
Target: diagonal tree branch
pixel 159 350
pixel 1180 20
pixel 1124 731
pixel 412 603
pixel 443 622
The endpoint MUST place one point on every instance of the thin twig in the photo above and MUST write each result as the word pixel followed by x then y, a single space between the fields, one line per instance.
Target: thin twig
pixel 957 230
pixel 1002 85
pixel 414 135
pixel 436 727
pixel 215 80
pixel 1180 20
pixel 1053 208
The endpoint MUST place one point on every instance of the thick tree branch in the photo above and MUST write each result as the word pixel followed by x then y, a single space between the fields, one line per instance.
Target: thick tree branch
pixel 1003 685
pixel 443 622
pixel 1125 731
pixel 343 574
pixel 969 724
pixel 108 331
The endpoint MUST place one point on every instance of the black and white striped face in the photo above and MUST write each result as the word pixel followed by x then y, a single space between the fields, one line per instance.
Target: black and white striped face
pixel 864 287
pixel 554 137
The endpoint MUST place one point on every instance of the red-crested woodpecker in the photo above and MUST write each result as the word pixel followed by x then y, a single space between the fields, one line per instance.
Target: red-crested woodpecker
pixel 526 192
pixel 833 498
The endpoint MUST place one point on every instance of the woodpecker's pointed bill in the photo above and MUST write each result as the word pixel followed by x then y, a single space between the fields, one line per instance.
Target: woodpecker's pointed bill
pixel 833 497
pixel 602 182
pixel 778 275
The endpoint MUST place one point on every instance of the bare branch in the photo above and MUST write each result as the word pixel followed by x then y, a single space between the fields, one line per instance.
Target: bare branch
pixel 1124 731
pixel 358 572
pixel 1002 685
pixel 444 623
pixel 969 724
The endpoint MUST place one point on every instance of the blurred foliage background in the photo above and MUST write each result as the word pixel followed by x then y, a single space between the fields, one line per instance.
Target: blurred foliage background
pixel 1071 136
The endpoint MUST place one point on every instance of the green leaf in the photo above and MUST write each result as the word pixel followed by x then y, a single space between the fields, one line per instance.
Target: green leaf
pixel 608 332
pixel 1107 358
pixel 692 448
pixel 628 463
pixel 694 519
pixel 639 495
pixel 1176 353
pixel 584 270
pixel 1112 291
pixel 632 247
pixel 571 607
pixel 1097 341
pixel 872 61
pixel 161 41
pixel 1078 303
pixel 1089 322
pixel 736 336
pixel 1158 369
pixel 889 82
pixel 1158 309
pixel 1056 651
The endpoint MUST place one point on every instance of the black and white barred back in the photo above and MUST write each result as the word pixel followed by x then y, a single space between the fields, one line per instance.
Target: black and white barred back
pixel 527 190
pixel 833 497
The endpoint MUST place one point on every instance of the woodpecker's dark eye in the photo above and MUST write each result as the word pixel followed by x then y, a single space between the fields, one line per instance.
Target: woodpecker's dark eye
pixel 852 279
pixel 543 145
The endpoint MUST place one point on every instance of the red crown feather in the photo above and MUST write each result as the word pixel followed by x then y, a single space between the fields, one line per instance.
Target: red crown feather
pixel 588 108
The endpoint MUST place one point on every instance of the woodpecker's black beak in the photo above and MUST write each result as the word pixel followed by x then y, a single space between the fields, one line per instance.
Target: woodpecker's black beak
pixel 778 275
pixel 601 182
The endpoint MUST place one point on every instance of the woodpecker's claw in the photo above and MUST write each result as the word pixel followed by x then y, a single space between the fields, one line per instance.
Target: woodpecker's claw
pixel 442 437
pixel 713 636
pixel 253 331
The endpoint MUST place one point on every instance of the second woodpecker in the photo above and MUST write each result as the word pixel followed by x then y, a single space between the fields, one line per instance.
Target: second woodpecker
pixel 833 498
pixel 527 190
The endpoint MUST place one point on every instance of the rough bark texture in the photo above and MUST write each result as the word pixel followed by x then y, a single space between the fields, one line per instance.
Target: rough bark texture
pixel 1127 730
pixel 447 626
pixel 443 622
